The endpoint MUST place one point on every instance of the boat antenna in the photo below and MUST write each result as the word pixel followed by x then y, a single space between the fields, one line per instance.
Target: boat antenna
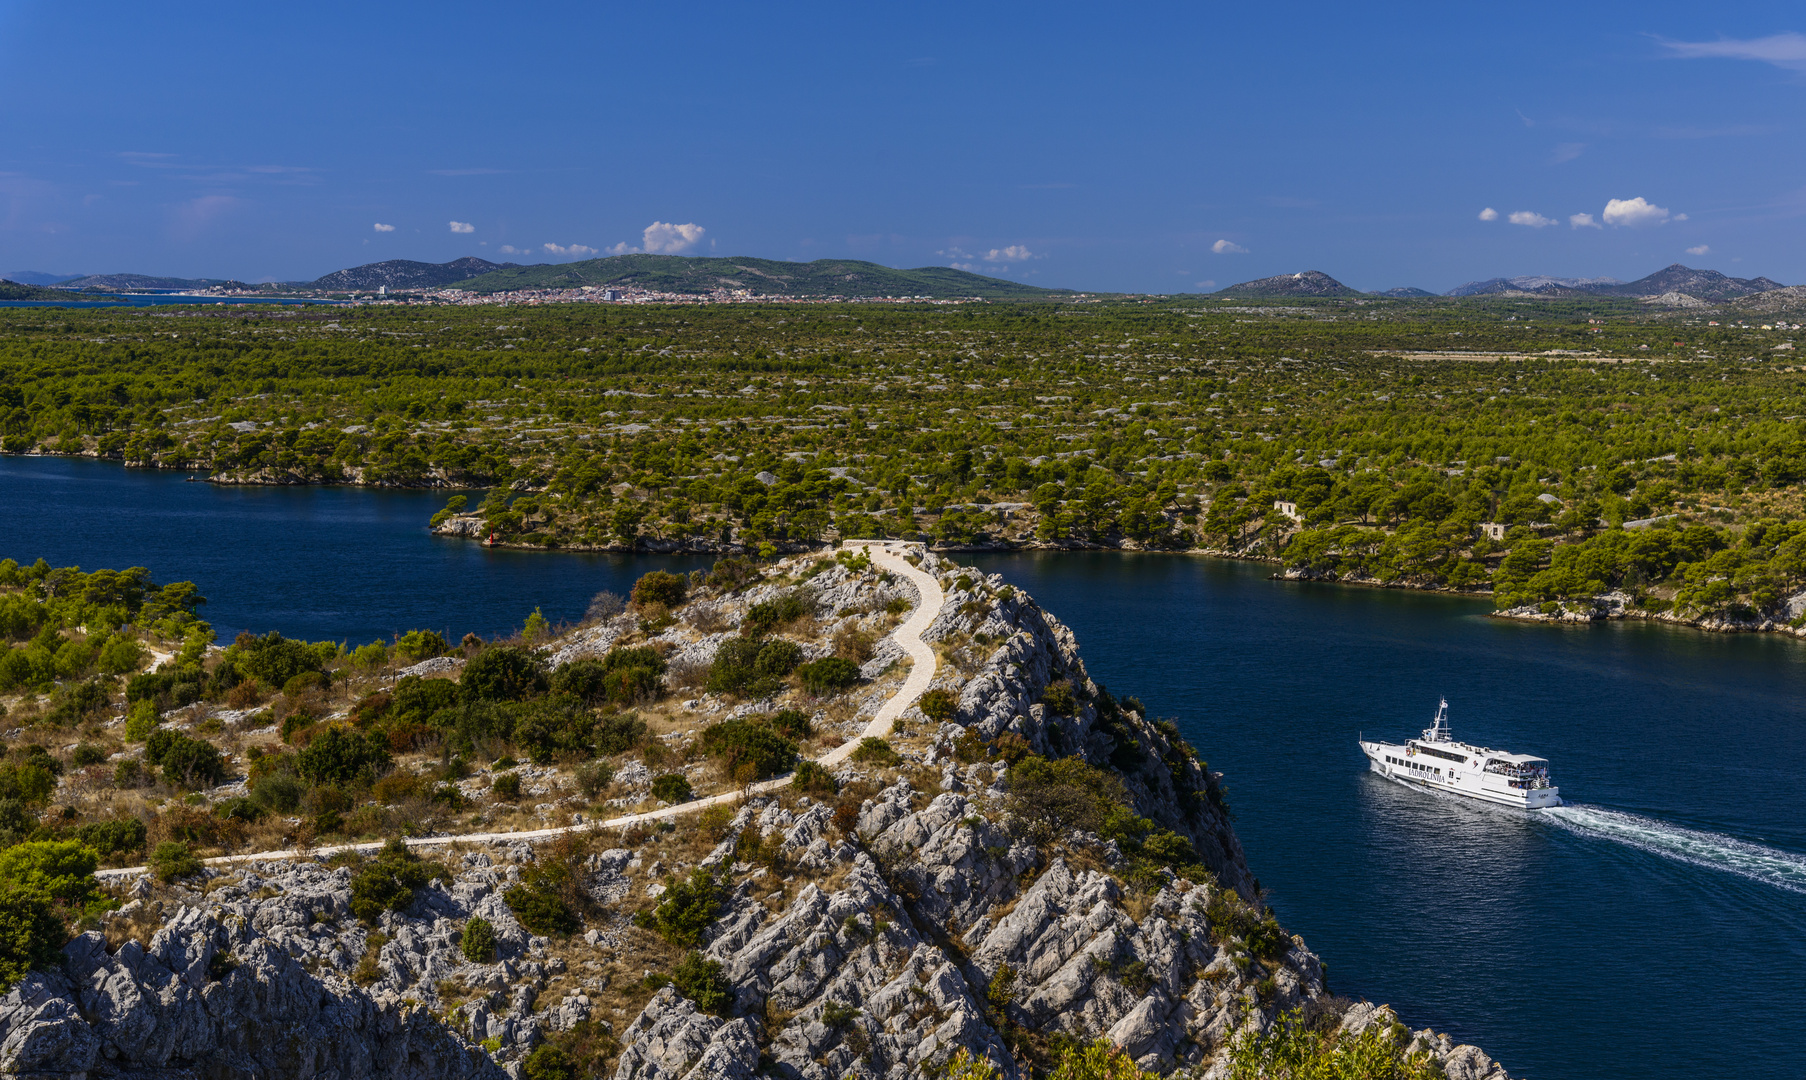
pixel 1438 731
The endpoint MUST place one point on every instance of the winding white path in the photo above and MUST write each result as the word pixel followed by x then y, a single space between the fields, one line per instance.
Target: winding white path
pixel 886 554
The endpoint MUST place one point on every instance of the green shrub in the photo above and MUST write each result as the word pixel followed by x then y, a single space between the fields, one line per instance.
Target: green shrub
pixel 418 645
pixel 117 836
pixel 813 779
pixel 1291 1049
pixel 752 664
pixel 549 1062
pixel 387 882
pixel 477 943
pixel 768 615
pixel 129 774
pixel 594 777
pixel 87 754
pixel 32 934
pixel 503 673
pixel 240 808
pixel 30 781
pixel 192 763
pixel 1059 699
pixel 371 656
pixel 506 786
pixel 732 572
pixel 791 723
pixel 279 792
pixel 685 910
pixel 672 788
pixel 702 981
pixel 172 860
pixel 342 757
pixel 275 660
pixel 659 587
pixel 140 720
pixel 120 656
pixel 746 744
pixel 828 675
pixel 938 705
pixel 875 751
pixel 540 909
pixel 63 870
pixel 1051 798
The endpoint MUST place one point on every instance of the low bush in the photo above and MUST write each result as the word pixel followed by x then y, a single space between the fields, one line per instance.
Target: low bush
pixel 938 705
pixel 343 757
pixel 594 777
pixel 875 751
pixel 173 860
pixel 749 746
pixel 813 779
pixel 539 907
pixel 702 981
pixel 1052 798
pixel 672 788
pixel 752 665
pixel 477 942
pixel 829 675
pixel 116 836
pixel 32 934
pixel 186 762
pixel 768 615
pixel 1291 1049
pixel 685 910
pixel 418 645
pixel 503 673
pixel 1059 698
pixel 506 786
pixel 732 572
pixel 387 882
pixel 140 720
pixel 660 587
pixel 549 1062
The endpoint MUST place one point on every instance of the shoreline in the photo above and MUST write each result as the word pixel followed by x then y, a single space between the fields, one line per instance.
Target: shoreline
pixel 1607 607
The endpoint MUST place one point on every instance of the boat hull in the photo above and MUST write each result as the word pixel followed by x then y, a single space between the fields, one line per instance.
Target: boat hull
pixel 1472 786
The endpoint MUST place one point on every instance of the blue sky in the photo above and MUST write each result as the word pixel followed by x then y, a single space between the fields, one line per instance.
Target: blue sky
pixel 1149 148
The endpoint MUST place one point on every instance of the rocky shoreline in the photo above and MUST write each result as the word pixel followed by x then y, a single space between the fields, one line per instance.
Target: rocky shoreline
pixel 871 940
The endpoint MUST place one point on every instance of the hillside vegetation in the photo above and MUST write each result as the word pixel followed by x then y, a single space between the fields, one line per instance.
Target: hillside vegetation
pixel 761 277
pixel 1659 455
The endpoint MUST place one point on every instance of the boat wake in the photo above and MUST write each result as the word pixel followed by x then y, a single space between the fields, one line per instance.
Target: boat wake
pixel 1782 869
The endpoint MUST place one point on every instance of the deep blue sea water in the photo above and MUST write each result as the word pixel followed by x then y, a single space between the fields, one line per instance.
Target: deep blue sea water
pixel 1656 928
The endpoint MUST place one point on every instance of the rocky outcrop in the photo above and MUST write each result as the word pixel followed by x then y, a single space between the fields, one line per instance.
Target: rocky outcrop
pixel 872 938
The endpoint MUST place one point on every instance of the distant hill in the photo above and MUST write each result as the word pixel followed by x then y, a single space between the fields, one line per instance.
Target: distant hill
pixel 1533 283
pixel 1700 284
pixel 763 277
pixel 1406 292
pixel 1790 299
pixel 1704 284
pixel 407 274
pixel 141 281
pixel 13 290
pixel 36 277
pixel 1309 283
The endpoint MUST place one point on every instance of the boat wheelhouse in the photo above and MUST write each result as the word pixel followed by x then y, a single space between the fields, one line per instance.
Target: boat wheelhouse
pixel 1437 762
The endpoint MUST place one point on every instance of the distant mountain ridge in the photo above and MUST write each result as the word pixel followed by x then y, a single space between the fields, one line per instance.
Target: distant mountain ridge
pixel 761 277
pixel 407 274
pixel 1676 279
pixel 37 277
pixel 17 290
pixel 141 281
pixel 1308 283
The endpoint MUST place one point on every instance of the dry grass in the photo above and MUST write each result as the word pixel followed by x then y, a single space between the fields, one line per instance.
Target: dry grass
pixel 140 925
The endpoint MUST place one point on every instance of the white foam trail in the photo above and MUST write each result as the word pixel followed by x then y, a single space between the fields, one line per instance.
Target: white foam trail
pixel 1782 869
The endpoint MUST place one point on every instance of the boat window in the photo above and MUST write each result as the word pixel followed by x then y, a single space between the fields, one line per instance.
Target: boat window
pixel 1443 754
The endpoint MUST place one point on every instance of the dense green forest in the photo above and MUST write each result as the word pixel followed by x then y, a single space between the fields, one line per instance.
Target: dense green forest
pixel 1609 445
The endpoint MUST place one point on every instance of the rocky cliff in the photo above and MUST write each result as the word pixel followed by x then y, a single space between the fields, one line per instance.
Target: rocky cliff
pixel 873 935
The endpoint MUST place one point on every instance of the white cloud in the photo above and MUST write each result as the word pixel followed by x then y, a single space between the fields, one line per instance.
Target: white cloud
pixel 510 249
pixel 575 251
pixel 1228 247
pixel 1567 151
pixel 970 268
pixel 463 227
pixel 622 248
pixel 1781 50
pixel 1680 217
pixel 1210 284
pixel 1583 221
pixel 661 238
pixel 1637 211
pixel 1530 218
pixel 1489 214
pixel 1013 253
pixel 380 227
pixel 1702 249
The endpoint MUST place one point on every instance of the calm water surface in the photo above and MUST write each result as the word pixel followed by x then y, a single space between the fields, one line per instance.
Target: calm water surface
pixel 1656 928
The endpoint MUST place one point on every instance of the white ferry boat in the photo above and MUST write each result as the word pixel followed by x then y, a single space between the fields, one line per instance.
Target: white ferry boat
pixel 1437 762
